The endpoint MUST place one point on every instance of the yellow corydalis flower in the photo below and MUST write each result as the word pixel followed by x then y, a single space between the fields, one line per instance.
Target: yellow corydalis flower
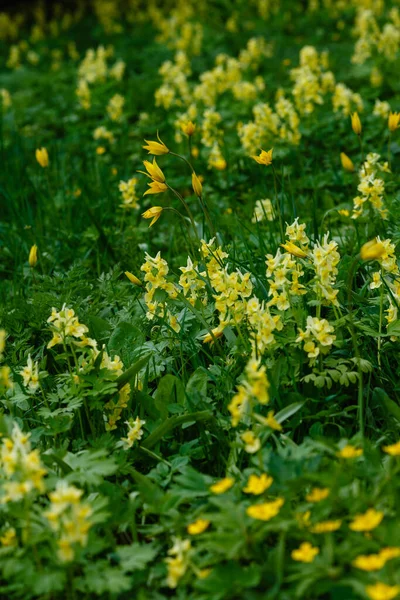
pixel 294 250
pixel 264 158
pixel 153 213
pixel 189 128
pixel 367 521
pixel 257 485
pixel 305 553
pixel 265 511
pixel 156 148
pixel 132 278
pixel 347 163
pixel 393 121
pixel 196 184
pixel 356 123
pixel 42 157
pixel 372 250
pixel 381 591
pixel 33 256
pixel 222 486
pixel 198 526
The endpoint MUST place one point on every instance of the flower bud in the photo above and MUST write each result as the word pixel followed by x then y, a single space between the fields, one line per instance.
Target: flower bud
pixel 33 256
pixel 356 123
pixel 197 187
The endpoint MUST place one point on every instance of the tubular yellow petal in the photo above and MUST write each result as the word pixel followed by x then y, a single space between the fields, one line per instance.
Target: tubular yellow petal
pixel 33 256
pixel 356 123
pixel 197 187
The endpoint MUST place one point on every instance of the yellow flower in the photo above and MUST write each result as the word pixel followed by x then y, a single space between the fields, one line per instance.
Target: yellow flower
pixel 196 184
pixel 389 553
pixel 153 171
pixel 326 526
pixel 381 591
pixel 271 422
pixel 9 537
pixel 367 521
pixel 156 148
pixel 189 128
pixel 264 158
pixel 344 212
pixel 265 511
pixel 393 449
pixel 393 121
pixel 156 187
pixel 347 163
pixel 100 150
pixel 132 278
pixel 42 157
pixel 222 486
pixel 293 249
pixel 257 485
pixel 153 213
pixel 305 553
pixel 356 123
pixel 198 526
pixel 210 337
pixel 33 256
pixel 371 562
pixel 349 452
pixel 372 250
pixel 318 494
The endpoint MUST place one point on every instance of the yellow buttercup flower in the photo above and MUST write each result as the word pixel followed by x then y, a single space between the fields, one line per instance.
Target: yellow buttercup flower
pixel 153 171
pixel 389 553
pixel 153 213
pixel 392 449
pixel 294 250
pixel 393 121
pixel 198 526
pixel 381 591
pixel 347 163
pixel 189 128
pixel 264 158
pixel 132 278
pixel 100 150
pixel 367 521
pixel 318 494
pixel 156 148
pixel 305 553
pixel 33 256
pixel 42 157
pixel 356 123
pixel 196 184
pixel 257 485
pixel 326 526
pixel 344 212
pixel 372 250
pixel 371 562
pixel 349 452
pixel 271 422
pixel 222 486
pixel 265 511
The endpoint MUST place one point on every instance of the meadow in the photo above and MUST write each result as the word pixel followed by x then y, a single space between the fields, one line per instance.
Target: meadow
pixel 199 300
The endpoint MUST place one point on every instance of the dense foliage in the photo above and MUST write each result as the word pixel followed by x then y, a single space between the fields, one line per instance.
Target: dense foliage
pixel 207 407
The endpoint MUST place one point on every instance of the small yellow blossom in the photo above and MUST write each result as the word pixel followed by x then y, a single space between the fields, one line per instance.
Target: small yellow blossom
pixel 42 157
pixel 367 521
pixel 198 526
pixel 370 562
pixel 257 485
pixel 209 338
pixel 372 250
pixel 189 128
pixel 222 486
pixel 305 553
pixel 264 158
pixel 392 449
pixel 347 163
pixel 381 591
pixel 156 148
pixel 33 256
pixel 265 511
pixel 344 212
pixel 252 443
pixel 132 278
pixel 393 121
pixel 135 432
pixel 153 213
pixel 356 123
pixel 153 171
pixel 326 526
pixel 9 537
pixel 196 184
pixel 389 553
pixel 101 150
pixel 271 422
pixel 349 452
pixel 318 494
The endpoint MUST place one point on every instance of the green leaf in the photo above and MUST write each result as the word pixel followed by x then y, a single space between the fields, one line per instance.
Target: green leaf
pixel 131 373
pixel 288 411
pixel 390 405
pixel 136 556
pixel 170 390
